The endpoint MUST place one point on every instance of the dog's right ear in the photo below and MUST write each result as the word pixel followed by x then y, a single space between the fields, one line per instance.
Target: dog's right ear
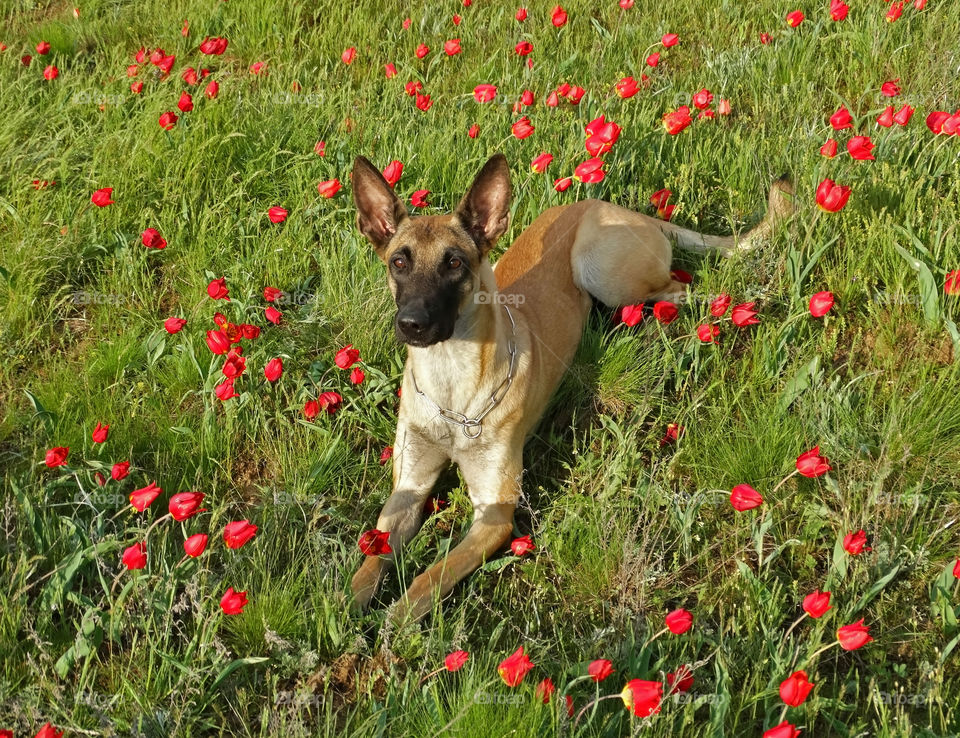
pixel 379 210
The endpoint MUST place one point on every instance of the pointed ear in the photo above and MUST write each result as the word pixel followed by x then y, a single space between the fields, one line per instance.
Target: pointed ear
pixel 485 209
pixel 379 210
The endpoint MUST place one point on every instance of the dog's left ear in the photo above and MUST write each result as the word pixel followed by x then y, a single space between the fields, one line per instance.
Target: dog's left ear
pixel 485 209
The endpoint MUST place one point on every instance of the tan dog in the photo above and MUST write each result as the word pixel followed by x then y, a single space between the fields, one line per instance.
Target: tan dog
pixel 489 345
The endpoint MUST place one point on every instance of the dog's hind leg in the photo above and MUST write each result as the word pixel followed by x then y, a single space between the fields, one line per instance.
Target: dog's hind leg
pixel 416 466
pixel 494 492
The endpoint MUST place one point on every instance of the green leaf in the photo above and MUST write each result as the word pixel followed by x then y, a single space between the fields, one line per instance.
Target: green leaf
pixel 929 297
pixel 233 666
pixel 876 589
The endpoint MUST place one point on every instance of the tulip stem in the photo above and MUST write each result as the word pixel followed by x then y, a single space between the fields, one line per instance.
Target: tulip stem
pixel 431 674
pixel 154 524
pixel 590 704
pixel 794 625
pixel 654 637
pixel 783 481
pixel 820 651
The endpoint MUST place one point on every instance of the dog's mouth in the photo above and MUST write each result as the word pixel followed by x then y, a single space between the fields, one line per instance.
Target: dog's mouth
pixel 423 338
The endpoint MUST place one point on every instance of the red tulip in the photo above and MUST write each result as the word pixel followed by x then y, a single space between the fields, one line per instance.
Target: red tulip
pixel 522 546
pixel 329 401
pixel 838 10
pixel 886 117
pixel 783 730
pixel 422 51
pixel 626 87
pixel 765 38
pixel 101 198
pixel 136 88
pixel 723 107
pixel 50 72
pixel 48 730
pixel 951 284
pixel 329 188
pixel 545 689
pixel 232 603
pixel 590 171
pixel 419 198
pixel 213 46
pixel 374 543
pixel 271 293
pixel 452 47
pixel 43 48
pixel 816 603
pixel 120 470
pixel 389 71
pixel 829 149
pixel 562 184
pixel 386 455
pixel 237 533
pixel 473 131
pixel 346 357
pixel 100 433
pixel 671 435
pixel 276 214
pixel 832 197
pixel 811 464
pixel 841 119
pixel 677 120
pixel 456 660
pixel 854 543
pixel 891 88
pixel 274 369
pixel 666 312
pixel 168 120
pixel 795 688
pixel 896 9
pixel 527 98
pixel 25 60
pixel 659 198
pixel 708 333
pixel 854 636
pixel 919 4
pixel 642 697
pixel 484 93
pixel 956 569
pixel 653 59
pixel 523 48
pixel 631 314
pixel 600 669
pixel 273 315
pixel 514 668
pixel 744 315
pixel 135 556
pixel 393 172
pixel 522 128
pixel 744 497
pixel 679 621
pixel 719 306
pixel 860 148
pixel 212 90
pixel 456 18
pixel 185 103
pixel 217 289
pixel 681 680
pixel 702 99
pixel 225 390
pixel 142 498
pixel 152 239
pixel 424 102
pixel 56 456
pixel 189 74
pixel 903 115
pixel 521 14
pixel 670 39
pixel 195 545
pixel 820 304
pixel 217 342
pixel 794 18
pixel 185 505
pixel 348 55
pixel 558 17
pixel 310 409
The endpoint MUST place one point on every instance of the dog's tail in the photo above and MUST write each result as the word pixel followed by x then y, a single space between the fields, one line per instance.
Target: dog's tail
pixel 780 204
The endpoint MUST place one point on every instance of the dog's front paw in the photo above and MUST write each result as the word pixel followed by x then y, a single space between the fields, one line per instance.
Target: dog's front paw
pixel 365 582
pixel 415 604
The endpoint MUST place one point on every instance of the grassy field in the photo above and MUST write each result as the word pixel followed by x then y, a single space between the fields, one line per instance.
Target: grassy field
pixel 626 528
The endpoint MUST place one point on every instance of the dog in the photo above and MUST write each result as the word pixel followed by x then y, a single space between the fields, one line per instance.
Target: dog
pixel 488 345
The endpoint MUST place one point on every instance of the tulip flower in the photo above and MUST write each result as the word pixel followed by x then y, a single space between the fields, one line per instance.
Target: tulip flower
pixel 419 198
pixel 744 315
pixel 212 90
pixel 217 289
pixel 329 188
pixel 708 333
pixel 56 456
pixel 48 730
pixel 854 543
pixel 213 46
pixel 514 668
pixel 951 284
pixel 120 470
pixel 562 184
pixel 795 688
pixel 765 38
pixel 142 498
pixel 820 304
pixel 237 533
pixel 702 99
pixel 522 546
pixel 195 545
pixel 723 107
pixel 348 55
pixel 424 102
pixel 956 569
pixel 225 391
pixel 101 198
pixel 484 93
pixel 720 305
pixel 653 59
pixel 455 661
pixel 669 39
pixel 631 314
pixel 590 171
pixel 526 98
pixel 811 464
pixel 744 497
pixel 393 172
pixel 642 697
pixel 671 435
pixel 50 73
pixel 422 51
pixel 523 48
pixel 838 10
pixel 558 16
pixel 100 433
pixel 679 621
pixel 185 505
pixel 681 680
pixel 217 342
pixel 854 636
pixel 860 147
pixel 816 603
pixel 841 119
pixel 274 369
pixel 666 312
pixel 829 149
pixel 903 115
pixel 389 71
pixel 152 239
pixel 545 689
pixel 330 401
pixel 794 18
pixel 522 128
pixel 277 214
pixel 541 162
pixel 600 669
pixel 891 88
pixel 885 118
pixel 43 48
pixel 473 131
pixel 374 543
pixel 783 730
pixel 521 15
pixel 831 197
pixel 896 10
pixel 677 120
pixel 232 603
pixel 346 357
pixel 626 87
pixel 135 556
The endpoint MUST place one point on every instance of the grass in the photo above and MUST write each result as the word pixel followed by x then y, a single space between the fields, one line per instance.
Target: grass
pixel 626 529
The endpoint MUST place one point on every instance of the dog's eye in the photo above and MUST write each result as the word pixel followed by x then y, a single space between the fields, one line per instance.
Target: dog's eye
pixel 399 262
pixel 454 263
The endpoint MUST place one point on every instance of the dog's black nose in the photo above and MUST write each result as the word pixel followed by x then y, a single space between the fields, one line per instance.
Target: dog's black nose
pixel 413 321
pixel 410 325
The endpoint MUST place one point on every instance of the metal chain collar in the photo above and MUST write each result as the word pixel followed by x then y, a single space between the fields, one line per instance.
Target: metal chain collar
pixel 468 424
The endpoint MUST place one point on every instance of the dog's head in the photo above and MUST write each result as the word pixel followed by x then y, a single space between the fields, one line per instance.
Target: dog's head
pixel 433 261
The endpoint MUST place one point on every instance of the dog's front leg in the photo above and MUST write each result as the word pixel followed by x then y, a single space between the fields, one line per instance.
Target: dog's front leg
pixel 416 466
pixel 494 491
